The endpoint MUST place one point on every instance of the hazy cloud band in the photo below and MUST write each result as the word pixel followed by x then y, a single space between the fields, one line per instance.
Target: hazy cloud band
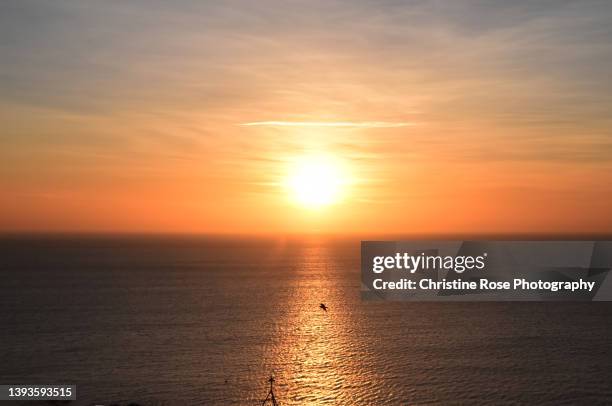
pixel 351 124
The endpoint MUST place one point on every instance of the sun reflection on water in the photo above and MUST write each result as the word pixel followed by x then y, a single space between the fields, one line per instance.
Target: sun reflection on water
pixel 319 358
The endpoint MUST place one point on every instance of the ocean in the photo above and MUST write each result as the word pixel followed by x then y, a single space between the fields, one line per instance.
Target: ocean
pixel 195 320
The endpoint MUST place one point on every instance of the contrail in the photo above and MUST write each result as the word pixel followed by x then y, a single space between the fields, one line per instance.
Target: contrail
pixel 354 124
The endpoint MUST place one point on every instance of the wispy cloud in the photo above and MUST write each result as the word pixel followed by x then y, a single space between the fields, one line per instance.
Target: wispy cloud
pixel 352 124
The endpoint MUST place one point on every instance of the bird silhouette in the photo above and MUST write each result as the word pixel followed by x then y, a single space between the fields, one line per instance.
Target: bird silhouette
pixel 322 306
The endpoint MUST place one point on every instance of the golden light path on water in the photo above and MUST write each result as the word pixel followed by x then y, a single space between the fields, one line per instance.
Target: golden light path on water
pixel 320 357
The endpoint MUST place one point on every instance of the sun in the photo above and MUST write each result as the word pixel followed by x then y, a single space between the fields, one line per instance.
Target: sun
pixel 316 181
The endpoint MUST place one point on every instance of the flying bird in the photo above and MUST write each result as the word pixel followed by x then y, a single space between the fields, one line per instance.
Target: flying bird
pixel 322 306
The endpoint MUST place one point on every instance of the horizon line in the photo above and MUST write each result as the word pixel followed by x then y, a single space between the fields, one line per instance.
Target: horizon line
pixel 581 235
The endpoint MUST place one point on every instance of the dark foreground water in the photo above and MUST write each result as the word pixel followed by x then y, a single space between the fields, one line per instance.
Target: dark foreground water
pixel 201 321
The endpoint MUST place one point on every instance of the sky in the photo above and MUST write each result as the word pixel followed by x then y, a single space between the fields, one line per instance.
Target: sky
pixel 187 116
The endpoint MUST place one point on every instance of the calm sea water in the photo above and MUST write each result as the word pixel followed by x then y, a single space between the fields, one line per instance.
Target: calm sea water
pixel 202 321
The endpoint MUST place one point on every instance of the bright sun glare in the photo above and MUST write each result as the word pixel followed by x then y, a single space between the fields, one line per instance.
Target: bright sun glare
pixel 316 181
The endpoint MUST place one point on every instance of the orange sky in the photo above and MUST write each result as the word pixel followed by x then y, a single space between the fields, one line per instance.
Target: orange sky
pixel 446 118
